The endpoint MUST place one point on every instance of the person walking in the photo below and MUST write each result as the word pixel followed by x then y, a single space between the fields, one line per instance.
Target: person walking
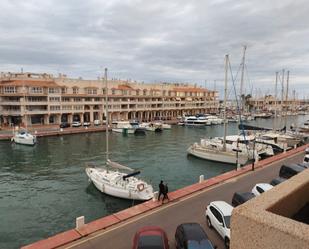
pixel 165 196
pixel 161 190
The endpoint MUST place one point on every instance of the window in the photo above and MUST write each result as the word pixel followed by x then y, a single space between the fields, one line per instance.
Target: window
pixel 36 90
pixel 216 214
pixel 9 89
pixel 91 91
pixel 75 90
pixel 54 99
pixel 260 190
pixel 65 99
pixel 63 90
pixel 54 107
pixel 53 90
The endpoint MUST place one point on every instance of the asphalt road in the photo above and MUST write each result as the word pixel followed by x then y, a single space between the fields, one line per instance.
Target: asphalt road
pixel 169 216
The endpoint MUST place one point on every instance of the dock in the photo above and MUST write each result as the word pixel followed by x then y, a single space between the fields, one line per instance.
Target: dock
pixel 186 205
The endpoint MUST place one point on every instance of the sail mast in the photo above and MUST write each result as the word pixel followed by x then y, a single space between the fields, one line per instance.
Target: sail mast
pixel 106 112
pixel 282 92
pixel 286 97
pixel 242 78
pixel 276 89
pixel 225 96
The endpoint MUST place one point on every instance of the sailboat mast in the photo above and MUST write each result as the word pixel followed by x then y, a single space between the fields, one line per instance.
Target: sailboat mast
pixel 106 112
pixel 282 92
pixel 225 96
pixel 242 77
pixel 286 97
pixel 276 89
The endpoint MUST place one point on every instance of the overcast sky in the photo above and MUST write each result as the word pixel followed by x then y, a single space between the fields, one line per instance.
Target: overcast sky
pixel 154 41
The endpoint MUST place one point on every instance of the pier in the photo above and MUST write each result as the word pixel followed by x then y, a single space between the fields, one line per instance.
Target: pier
pixel 186 205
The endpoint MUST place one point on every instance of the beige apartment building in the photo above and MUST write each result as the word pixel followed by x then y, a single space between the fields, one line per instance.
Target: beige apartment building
pixel 28 98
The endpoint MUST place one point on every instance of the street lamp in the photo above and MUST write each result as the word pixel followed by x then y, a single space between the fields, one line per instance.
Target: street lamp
pixel 237 150
pixel 253 155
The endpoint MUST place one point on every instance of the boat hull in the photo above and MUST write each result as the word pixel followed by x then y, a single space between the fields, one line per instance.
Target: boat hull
pixel 124 193
pixel 216 156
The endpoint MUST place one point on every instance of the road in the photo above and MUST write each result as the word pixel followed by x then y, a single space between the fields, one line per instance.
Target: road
pixel 169 216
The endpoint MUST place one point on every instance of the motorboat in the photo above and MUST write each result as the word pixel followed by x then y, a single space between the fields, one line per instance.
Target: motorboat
pixel 119 184
pixel 156 127
pixel 163 125
pixel 23 137
pixel 194 121
pixel 214 120
pixel 123 127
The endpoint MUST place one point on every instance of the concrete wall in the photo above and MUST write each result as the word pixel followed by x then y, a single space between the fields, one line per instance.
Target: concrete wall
pixel 264 221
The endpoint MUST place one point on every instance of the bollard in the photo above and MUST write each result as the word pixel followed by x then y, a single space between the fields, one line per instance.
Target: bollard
pixel 61 129
pixel 295 146
pixel 35 132
pixel 155 196
pixel 201 178
pixel 256 160
pixel 238 167
pixel 80 222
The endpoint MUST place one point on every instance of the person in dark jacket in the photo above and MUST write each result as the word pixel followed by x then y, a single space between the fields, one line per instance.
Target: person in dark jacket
pixel 165 196
pixel 161 190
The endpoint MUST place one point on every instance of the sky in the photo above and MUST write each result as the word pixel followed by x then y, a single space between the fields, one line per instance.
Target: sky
pixel 160 41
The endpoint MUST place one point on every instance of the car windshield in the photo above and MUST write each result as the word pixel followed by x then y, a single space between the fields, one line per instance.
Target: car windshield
pixel 203 244
pixel 227 220
pixel 150 242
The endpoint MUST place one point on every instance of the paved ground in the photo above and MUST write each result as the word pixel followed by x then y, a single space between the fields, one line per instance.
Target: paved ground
pixel 190 209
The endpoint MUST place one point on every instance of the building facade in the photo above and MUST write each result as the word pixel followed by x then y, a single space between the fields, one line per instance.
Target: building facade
pixel 30 99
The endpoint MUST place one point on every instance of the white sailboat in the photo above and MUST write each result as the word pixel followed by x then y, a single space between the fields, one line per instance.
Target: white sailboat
pixel 23 136
pixel 210 149
pixel 111 181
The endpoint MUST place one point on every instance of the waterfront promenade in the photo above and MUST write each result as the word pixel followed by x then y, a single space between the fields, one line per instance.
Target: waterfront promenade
pixel 186 205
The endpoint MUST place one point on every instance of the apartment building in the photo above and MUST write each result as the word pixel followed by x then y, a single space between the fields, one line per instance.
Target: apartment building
pixel 270 103
pixel 28 98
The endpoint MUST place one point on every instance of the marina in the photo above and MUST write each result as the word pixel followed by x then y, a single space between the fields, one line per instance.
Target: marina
pixel 44 188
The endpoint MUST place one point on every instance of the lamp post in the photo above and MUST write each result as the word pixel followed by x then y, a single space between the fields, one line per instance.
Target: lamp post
pixel 237 150
pixel 253 155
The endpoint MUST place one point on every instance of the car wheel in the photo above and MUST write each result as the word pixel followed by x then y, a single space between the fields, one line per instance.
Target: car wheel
pixel 227 243
pixel 208 222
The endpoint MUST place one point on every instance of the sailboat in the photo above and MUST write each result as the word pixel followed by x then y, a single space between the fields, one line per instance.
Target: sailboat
pixel 220 150
pixel 23 136
pixel 111 181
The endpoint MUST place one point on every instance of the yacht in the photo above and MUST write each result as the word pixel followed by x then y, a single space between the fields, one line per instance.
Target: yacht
pixel 23 137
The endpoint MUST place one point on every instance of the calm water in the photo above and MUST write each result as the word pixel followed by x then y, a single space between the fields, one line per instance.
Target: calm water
pixel 44 188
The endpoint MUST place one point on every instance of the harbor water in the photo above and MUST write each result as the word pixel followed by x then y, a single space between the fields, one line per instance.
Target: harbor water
pixel 44 188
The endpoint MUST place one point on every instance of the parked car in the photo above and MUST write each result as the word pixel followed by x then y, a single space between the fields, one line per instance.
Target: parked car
pixel 287 171
pixel 86 124
pixel 306 158
pixel 240 198
pixel 192 236
pixel 307 150
pixel 304 164
pixel 64 125
pixel 76 124
pixel 150 237
pixel 96 122
pixel 277 181
pixel 218 215
pixel 260 188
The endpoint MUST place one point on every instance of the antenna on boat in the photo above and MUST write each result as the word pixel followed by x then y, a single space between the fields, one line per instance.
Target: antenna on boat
pixel 106 113
pixel 225 93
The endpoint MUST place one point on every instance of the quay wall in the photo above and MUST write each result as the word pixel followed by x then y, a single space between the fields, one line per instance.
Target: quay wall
pixel 116 218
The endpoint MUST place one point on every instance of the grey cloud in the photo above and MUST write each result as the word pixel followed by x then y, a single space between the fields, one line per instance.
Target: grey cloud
pixel 157 41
